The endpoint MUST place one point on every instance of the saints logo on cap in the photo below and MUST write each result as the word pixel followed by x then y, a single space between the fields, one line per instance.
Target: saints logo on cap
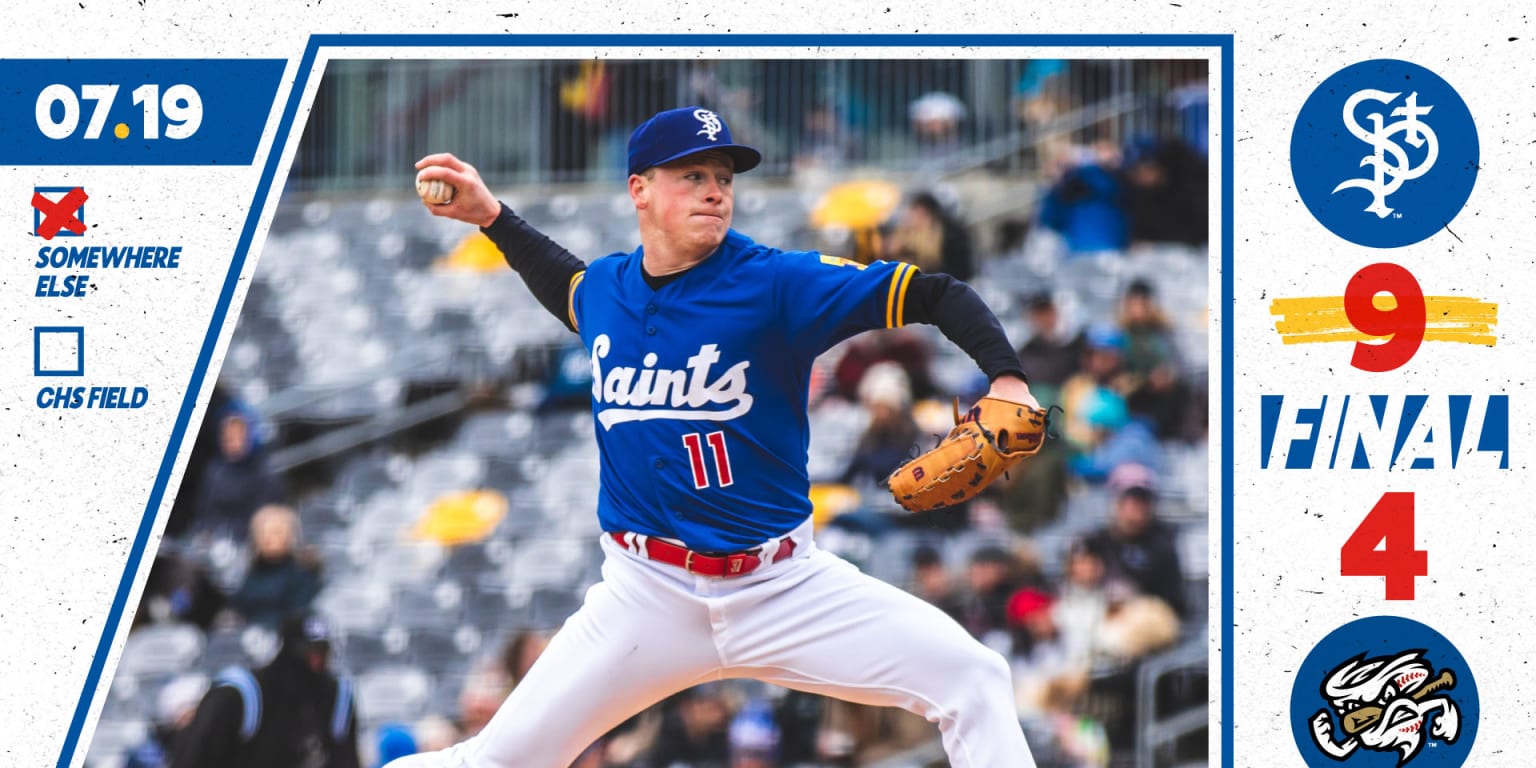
pixel 710 121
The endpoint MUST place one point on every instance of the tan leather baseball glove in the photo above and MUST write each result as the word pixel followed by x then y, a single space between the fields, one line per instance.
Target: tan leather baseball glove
pixel 993 436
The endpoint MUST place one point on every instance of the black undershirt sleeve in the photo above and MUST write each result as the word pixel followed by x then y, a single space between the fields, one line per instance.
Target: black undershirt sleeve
pixel 545 266
pixel 963 318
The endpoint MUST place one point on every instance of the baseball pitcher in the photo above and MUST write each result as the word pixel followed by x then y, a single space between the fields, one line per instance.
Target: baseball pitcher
pixel 701 343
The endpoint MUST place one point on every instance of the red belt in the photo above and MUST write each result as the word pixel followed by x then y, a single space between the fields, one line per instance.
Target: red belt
pixel 722 566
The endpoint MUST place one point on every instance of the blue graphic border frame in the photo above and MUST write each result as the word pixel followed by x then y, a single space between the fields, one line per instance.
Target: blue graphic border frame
pixel 1221 42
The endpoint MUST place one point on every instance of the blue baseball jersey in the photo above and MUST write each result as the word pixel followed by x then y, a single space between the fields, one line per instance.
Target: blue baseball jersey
pixel 700 387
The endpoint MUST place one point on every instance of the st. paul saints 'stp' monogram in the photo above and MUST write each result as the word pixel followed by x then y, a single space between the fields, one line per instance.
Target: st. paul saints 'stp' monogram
pixel 1389 159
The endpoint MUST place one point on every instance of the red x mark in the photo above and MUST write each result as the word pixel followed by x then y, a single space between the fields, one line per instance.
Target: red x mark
pixel 60 215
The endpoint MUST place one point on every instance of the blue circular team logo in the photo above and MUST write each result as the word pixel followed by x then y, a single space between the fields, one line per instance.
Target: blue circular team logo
pixel 1384 692
pixel 1384 153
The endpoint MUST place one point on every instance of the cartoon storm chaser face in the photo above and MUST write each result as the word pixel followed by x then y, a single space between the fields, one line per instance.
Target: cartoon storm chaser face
pixel 1383 704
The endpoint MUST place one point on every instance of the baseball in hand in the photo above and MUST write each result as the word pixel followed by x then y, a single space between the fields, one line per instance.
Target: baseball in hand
pixel 435 192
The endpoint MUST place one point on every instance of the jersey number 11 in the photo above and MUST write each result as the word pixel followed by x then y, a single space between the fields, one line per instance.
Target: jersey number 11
pixel 695 446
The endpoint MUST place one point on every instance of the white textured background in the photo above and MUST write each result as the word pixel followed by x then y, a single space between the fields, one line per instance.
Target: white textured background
pixel 73 484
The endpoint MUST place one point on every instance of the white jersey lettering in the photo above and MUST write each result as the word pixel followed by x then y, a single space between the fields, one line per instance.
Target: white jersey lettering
pixel 687 391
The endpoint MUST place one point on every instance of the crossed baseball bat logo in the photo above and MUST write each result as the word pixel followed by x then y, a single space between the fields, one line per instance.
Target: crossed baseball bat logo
pixel 1365 717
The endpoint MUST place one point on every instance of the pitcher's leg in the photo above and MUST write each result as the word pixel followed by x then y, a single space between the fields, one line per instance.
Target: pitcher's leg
pixel 637 639
pixel 832 630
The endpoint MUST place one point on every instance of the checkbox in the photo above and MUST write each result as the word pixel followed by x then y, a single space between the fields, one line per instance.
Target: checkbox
pixel 58 351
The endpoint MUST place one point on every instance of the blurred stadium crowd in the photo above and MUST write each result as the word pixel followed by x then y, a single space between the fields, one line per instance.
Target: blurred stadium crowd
pixel 400 440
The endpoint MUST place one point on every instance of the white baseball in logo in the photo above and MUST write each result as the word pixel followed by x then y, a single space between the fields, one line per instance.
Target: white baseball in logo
pixel 710 121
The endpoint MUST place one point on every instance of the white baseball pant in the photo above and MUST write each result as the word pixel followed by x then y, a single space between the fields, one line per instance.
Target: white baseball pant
pixel 812 622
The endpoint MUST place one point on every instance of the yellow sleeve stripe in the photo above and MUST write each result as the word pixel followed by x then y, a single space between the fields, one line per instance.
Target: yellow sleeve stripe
pixel 570 298
pixel 901 296
pixel 890 296
pixel 896 297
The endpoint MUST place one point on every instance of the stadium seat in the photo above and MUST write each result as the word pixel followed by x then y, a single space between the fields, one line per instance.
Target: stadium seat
pixel 161 649
pixel 398 693
pixel 355 602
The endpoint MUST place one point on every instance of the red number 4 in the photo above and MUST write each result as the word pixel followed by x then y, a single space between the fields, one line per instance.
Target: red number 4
pixel 1383 546
pixel 695 446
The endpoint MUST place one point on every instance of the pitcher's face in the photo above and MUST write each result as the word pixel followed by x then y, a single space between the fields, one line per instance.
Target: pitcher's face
pixel 689 200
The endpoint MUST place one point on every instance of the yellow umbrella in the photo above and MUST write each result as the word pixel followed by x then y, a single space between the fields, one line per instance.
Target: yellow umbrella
pixel 475 253
pixel 461 517
pixel 857 208
pixel 828 500
pixel 856 205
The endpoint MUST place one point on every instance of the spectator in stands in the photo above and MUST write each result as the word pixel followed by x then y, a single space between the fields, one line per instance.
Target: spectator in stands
pixel 1042 670
pixel 1103 625
pixel 494 678
pixel 482 694
pixel 888 440
pixel 1118 439
pixel 1167 187
pixel 236 482
pixel 991 578
pixel 1033 494
pixel 282 580
pixel 897 345
pixel 1103 367
pixel 1029 616
pixel 1042 92
pixel 1136 625
pixel 1149 344
pixel 1080 608
pixel 827 143
pixel 1156 389
pixel 580 111
pixel 936 117
pixel 204 446
pixel 931 581
pixel 855 734
pixel 694 731
pixel 1087 205
pixel 179 589
pixel 1138 547
pixel 292 712
pixel 174 707
pixel 933 238
pixel 519 654
pixel 1053 352
pixel 755 735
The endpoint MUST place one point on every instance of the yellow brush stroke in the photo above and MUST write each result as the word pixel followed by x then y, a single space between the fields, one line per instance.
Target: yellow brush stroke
pixel 1316 319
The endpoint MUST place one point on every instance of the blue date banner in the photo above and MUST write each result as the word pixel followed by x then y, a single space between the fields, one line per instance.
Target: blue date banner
pixel 135 111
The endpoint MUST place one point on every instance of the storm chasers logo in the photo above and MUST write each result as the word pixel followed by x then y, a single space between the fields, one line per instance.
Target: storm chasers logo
pixel 1416 168
pixel 648 392
pixel 1389 162
pixel 1384 692
pixel 1385 704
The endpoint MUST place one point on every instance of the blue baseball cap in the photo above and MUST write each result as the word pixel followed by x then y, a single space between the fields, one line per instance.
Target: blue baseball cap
pixel 677 133
pixel 1104 336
